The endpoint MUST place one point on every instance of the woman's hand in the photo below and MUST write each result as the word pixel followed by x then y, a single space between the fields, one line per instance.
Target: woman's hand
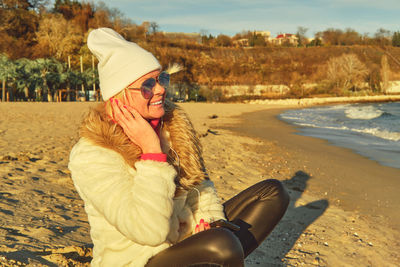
pixel 201 226
pixel 138 130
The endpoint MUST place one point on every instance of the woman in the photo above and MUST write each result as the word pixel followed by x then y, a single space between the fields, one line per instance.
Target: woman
pixel 139 169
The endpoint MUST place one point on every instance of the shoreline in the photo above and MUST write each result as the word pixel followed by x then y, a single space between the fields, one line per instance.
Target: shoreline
pixel 315 101
pixel 360 183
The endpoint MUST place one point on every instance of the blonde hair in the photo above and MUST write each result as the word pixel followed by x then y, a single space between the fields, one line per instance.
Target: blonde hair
pixel 120 96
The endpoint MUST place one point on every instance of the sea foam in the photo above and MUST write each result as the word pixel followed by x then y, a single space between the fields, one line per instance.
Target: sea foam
pixel 363 113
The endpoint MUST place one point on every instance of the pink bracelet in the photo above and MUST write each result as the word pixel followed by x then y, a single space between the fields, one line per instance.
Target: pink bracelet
pixel 161 157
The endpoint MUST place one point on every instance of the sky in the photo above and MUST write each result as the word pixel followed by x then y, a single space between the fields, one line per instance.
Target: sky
pixel 277 16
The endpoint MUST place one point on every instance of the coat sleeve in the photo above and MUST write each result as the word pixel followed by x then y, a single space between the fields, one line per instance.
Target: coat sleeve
pixel 205 204
pixel 138 203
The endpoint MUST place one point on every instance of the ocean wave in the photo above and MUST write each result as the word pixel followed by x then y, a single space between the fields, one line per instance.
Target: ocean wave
pixel 322 126
pixel 363 113
pixel 386 114
pixel 384 134
pixel 393 136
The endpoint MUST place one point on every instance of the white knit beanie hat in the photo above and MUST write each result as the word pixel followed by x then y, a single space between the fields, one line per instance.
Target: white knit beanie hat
pixel 120 62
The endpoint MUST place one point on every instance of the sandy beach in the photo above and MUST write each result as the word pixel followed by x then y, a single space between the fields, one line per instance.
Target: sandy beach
pixel 343 209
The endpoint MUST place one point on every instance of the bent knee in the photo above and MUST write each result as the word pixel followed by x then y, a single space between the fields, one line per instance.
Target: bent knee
pixel 274 190
pixel 225 246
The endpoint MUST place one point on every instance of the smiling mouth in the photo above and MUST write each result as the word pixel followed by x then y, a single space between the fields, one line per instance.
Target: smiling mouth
pixel 156 103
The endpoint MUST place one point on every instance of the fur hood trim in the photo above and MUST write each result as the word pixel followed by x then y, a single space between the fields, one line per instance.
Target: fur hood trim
pixel 178 138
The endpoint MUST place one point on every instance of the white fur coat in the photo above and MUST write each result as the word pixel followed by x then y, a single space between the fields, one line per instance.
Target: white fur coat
pixel 138 208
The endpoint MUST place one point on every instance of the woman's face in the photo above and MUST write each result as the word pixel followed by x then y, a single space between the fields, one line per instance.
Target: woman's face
pixel 152 108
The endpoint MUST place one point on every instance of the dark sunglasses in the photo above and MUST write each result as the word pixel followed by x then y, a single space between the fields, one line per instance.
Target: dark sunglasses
pixel 148 85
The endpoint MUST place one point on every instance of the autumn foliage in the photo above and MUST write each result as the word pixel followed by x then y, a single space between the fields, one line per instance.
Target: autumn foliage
pixel 337 62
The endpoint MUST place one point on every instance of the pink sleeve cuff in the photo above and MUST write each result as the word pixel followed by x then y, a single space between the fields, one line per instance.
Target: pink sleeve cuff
pixel 154 156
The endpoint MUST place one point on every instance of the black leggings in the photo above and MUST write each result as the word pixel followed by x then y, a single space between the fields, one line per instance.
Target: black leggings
pixel 256 210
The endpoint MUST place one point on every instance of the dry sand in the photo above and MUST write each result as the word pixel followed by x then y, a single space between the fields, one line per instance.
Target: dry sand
pixel 334 218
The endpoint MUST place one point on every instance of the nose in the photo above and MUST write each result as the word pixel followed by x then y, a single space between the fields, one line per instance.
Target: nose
pixel 158 89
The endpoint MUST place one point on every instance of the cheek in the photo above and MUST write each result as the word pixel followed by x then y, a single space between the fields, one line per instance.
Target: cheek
pixel 131 99
pixel 136 101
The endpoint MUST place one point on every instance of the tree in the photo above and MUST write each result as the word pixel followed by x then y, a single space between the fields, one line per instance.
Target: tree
pixel 50 71
pixel 154 27
pixel 101 17
pixel 351 37
pixel 203 32
pixel 30 70
pixel 224 40
pixel 346 72
pixel 385 73
pixel 57 37
pixel 7 73
pixel 315 42
pixel 382 36
pixel 82 16
pixel 257 40
pixel 330 36
pixel 29 77
pixel 90 77
pixel 18 24
pixel 23 81
pixel 66 7
pixel 301 36
pixel 134 32
pixel 207 39
pixel 396 39
pixel 374 78
pixel 333 36
pixel 53 77
pixel 38 5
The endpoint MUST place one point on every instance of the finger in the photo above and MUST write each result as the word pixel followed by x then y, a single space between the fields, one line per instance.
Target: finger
pixel 207 226
pixel 123 124
pixel 201 228
pixel 128 115
pixel 196 230
pixel 201 225
pixel 117 113
pixel 123 115
pixel 134 112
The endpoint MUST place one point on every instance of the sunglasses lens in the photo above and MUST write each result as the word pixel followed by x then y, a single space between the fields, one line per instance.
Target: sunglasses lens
pixel 163 79
pixel 147 88
pixel 149 83
pixel 147 93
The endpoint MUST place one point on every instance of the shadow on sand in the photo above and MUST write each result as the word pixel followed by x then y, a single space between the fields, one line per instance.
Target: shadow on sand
pixel 26 257
pixel 273 251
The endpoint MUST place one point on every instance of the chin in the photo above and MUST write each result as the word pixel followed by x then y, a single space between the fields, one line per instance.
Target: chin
pixel 156 115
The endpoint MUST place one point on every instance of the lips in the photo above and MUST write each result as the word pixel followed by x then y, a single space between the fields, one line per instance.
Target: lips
pixel 156 103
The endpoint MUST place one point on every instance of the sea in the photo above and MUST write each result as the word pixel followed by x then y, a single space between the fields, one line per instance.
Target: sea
pixel 372 130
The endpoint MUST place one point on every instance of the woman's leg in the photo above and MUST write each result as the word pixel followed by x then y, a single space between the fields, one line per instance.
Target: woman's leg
pixel 257 210
pixel 214 247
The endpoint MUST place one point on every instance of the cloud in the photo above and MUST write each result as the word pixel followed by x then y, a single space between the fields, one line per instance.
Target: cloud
pixel 230 17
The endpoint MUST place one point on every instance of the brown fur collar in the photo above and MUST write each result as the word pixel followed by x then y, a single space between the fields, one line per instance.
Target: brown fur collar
pixel 177 133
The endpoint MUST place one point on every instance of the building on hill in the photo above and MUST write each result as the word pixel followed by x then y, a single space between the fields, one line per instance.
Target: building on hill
pixel 280 39
pixel 265 34
pixel 285 38
pixel 241 42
